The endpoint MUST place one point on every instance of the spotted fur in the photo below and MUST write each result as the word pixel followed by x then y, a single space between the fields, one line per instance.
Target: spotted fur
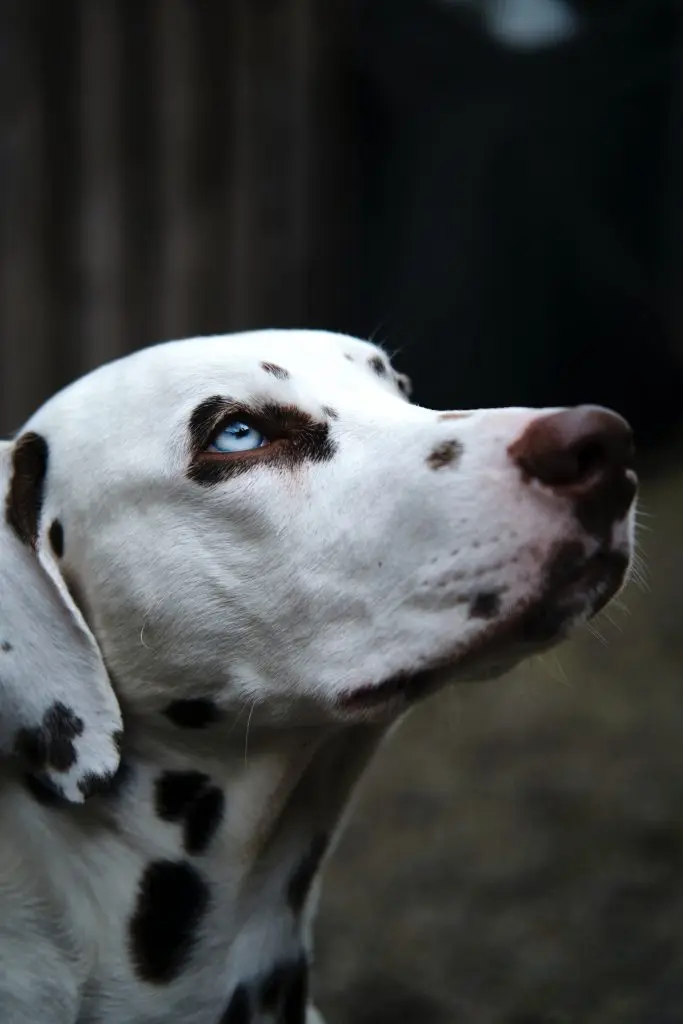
pixel 206 648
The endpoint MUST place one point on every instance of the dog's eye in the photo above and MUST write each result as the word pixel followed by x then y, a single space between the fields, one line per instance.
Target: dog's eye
pixel 237 436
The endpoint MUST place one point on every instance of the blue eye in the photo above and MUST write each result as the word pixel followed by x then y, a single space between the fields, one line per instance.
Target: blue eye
pixel 237 436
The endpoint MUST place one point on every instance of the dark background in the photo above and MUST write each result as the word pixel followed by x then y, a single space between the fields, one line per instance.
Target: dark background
pixel 507 215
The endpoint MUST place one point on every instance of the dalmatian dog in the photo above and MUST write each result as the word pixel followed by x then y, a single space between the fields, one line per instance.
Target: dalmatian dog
pixel 229 565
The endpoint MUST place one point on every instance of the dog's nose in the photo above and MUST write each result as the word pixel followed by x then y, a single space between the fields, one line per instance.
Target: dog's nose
pixel 576 450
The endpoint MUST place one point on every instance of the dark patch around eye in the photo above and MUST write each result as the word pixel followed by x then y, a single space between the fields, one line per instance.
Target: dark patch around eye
pixel 25 495
pixel 294 438
pixel 278 372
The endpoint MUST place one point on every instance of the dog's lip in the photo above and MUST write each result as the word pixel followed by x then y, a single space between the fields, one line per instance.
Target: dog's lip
pixel 538 625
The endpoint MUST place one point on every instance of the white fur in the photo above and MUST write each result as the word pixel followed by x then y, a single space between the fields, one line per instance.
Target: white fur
pixel 275 594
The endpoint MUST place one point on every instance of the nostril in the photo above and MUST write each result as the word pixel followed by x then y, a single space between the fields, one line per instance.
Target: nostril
pixel 590 457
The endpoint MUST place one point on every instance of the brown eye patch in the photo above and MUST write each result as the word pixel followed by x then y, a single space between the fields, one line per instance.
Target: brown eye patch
pixel 293 437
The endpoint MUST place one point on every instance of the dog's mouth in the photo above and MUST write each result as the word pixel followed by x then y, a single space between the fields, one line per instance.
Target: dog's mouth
pixel 576 588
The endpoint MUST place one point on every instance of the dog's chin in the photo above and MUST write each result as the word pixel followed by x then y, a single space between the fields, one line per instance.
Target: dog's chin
pixel 573 592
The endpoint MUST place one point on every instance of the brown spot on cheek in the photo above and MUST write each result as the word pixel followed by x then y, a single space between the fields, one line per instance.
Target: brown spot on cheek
pixel 445 454
pixel 454 416
pixel 25 495
pixel 275 371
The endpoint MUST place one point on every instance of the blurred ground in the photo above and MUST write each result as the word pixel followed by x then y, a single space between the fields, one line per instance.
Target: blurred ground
pixel 516 853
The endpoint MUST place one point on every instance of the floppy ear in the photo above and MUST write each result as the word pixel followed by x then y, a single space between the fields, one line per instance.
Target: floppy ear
pixel 58 711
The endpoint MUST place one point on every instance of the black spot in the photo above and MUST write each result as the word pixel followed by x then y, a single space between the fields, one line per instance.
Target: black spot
pixel 107 785
pixel 447 453
pixel 404 384
pixel 275 371
pixel 44 792
pixel 284 992
pixel 302 879
pixel 238 1011
pixel 332 413
pixel 50 745
pixel 192 714
pixel 377 364
pixel 25 494
pixel 349 357
pixel 172 900
pixel 486 605
pixel 56 536
pixel 176 791
pixel 190 799
pixel 5 646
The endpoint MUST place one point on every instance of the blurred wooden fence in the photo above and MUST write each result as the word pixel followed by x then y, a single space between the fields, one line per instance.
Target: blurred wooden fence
pixel 166 167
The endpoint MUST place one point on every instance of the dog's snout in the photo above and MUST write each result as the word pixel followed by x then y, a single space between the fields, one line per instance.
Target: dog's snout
pixel 575 450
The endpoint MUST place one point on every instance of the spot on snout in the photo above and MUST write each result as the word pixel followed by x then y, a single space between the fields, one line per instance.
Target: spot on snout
pixel 486 604
pixel 302 879
pixel 445 416
pixel 276 371
pixel 448 453
pixel 50 745
pixel 197 713
pixel 5 647
pixel 56 538
pixel 378 366
pixel 172 900
pixel 191 800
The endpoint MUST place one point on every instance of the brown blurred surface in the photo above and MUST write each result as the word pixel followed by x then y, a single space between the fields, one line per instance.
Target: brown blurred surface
pixel 516 853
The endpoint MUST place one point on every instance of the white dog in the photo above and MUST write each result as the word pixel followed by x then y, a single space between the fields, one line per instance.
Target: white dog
pixel 228 565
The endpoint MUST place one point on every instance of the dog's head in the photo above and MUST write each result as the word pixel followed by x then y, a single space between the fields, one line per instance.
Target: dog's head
pixel 265 520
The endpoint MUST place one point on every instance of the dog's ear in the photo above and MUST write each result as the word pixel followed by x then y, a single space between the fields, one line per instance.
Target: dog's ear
pixel 58 711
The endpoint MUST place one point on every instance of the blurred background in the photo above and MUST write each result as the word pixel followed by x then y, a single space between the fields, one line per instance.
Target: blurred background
pixel 492 189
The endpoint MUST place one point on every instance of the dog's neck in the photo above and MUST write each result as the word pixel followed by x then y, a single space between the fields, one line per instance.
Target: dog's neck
pixel 259 794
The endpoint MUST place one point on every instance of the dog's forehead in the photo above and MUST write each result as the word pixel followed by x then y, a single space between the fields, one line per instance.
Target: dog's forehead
pixel 163 383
